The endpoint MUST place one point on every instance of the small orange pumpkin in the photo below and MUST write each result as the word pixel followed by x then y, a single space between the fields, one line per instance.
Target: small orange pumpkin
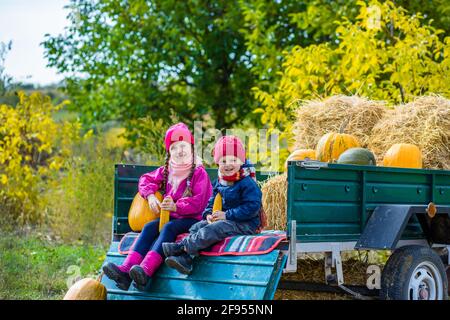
pixel 332 144
pixel 140 212
pixel 301 154
pixel 86 289
pixel 403 155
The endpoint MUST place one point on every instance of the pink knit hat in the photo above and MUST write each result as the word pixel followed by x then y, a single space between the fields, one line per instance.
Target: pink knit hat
pixel 178 132
pixel 229 146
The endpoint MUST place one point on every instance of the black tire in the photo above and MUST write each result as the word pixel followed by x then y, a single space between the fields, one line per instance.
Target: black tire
pixel 448 279
pixel 399 269
pixel 389 268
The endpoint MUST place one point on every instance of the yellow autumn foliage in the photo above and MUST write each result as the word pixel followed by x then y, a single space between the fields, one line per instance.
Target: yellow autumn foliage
pixel 33 148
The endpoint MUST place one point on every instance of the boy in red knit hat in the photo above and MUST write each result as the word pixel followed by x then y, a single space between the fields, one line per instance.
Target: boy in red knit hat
pixel 241 204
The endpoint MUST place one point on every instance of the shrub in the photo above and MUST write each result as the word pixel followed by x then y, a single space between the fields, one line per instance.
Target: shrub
pixel 33 148
pixel 80 204
pixel 145 140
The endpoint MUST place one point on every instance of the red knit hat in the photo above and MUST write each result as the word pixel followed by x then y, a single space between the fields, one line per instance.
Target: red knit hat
pixel 229 146
pixel 178 132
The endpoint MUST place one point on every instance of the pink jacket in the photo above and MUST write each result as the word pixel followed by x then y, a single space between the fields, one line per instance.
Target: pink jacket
pixel 187 207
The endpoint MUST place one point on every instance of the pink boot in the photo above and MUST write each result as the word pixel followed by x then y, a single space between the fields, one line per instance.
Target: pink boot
pixel 151 262
pixel 133 258
pixel 142 273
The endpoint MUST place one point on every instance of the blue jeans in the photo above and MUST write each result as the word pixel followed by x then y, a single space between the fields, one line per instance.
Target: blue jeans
pixel 203 234
pixel 151 239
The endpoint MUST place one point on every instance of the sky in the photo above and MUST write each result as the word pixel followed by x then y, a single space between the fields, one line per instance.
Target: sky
pixel 25 22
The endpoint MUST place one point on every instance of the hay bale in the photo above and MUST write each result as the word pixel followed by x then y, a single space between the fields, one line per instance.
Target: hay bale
pixel 274 197
pixel 424 122
pixel 317 117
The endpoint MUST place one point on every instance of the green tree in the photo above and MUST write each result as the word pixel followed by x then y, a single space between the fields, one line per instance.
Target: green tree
pixel 131 59
pixel 198 59
pixel 272 27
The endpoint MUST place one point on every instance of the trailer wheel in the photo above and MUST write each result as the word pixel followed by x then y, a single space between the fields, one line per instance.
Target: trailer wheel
pixel 414 273
pixel 448 279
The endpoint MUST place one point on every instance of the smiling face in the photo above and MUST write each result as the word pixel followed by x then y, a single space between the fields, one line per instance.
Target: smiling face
pixel 229 165
pixel 181 152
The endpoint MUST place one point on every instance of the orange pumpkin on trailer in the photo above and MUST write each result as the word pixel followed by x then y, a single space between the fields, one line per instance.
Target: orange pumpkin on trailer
pixel 333 144
pixel 301 154
pixel 403 155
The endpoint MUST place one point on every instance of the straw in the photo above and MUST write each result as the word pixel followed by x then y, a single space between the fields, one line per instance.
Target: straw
pixel 424 122
pixel 355 115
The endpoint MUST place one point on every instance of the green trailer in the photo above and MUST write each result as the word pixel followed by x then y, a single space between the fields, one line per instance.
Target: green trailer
pixel 331 208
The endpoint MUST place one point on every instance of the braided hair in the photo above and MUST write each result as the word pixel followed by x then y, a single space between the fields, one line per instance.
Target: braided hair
pixel 165 173
pixel 188 190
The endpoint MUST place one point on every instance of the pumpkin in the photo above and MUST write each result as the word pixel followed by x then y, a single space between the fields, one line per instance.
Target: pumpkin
pixel 403 155
pixel 358 156
pixel 301 154
pixel 86 289
pixel 333 144
pixel 140 212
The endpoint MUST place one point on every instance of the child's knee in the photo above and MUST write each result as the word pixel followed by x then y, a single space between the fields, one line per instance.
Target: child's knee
pixel 172 228
pixel 150 226
pixel 223 228
pixel 197 226
pixel 169 228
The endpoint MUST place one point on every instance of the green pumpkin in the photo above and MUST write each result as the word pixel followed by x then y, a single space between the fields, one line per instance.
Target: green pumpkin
pixel 359 156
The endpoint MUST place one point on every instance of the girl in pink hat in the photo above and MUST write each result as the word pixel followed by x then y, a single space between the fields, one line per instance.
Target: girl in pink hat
pixel 241 207
pixel 186 187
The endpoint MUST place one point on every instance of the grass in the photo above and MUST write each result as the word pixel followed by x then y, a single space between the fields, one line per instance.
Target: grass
pixel 33 266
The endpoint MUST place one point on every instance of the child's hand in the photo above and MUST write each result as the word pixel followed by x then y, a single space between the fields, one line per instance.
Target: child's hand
pixel 154 203
pixel 209 218
pixel 168 204
pixel 218 215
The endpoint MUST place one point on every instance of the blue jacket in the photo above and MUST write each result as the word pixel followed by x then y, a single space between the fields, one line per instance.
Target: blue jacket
pixel 240 202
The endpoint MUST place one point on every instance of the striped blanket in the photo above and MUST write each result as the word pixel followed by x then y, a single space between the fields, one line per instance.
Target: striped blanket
pixel 260 243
